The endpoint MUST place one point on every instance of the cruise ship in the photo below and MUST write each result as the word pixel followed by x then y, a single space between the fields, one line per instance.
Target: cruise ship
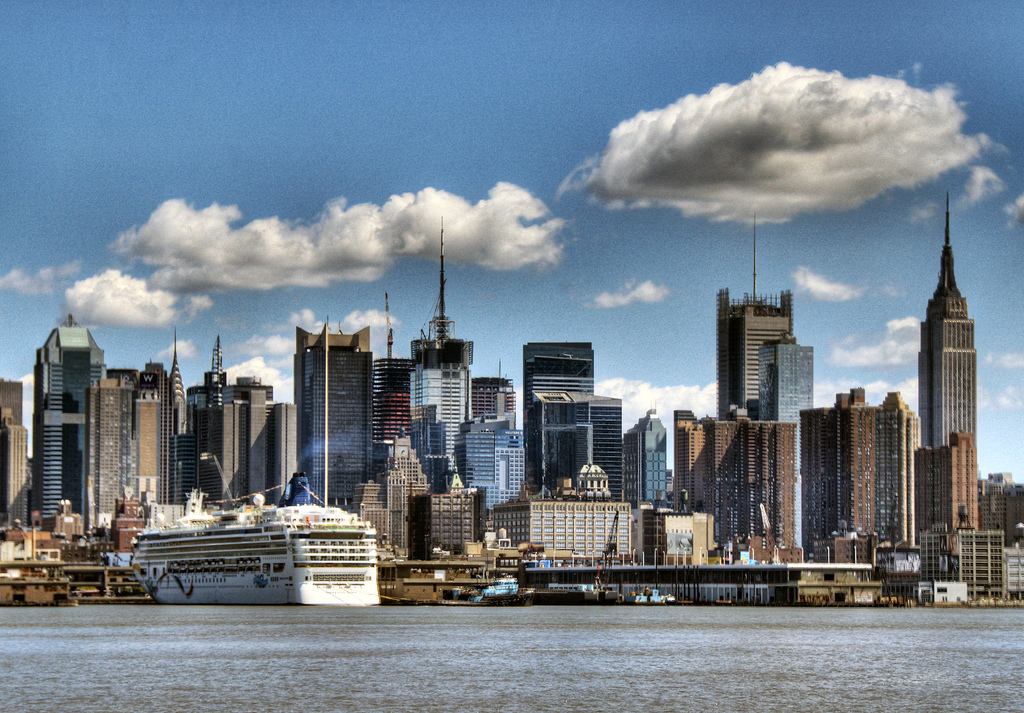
pixel 295 553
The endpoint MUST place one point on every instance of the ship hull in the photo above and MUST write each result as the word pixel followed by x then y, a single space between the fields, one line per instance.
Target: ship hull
pixel 295 556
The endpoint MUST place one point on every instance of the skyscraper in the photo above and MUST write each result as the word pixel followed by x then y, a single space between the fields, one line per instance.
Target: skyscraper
pixel 13 456
pixel 404 479
pixel 785 388
pixel 108 447
pixel 735 465
pixel 340 378
pixel 440 387
pixel 11 397
pixel 66 365
pixel 946 480
pixel 947 362
pixel 493 397
pixel 838 464
pixel 689 445
pixel 491 457
pixel 897 437
pixel 557 366
pixel 567 430
pixel 391 398
pixel 645 462
pixel 743 327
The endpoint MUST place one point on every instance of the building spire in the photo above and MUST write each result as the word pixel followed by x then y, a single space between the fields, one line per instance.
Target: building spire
pixel 217 364
pixel 947 218
pixel 442 327
pixel 387 319
pixel 755 256
pixel 947 278
pixel 440 324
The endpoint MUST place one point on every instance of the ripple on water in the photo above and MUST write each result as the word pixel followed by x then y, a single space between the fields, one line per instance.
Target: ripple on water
pixel 123 658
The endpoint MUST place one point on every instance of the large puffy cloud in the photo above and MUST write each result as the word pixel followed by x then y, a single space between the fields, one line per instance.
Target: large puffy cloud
pixel 646 291
pixel 639 396
pixel 897 347
pixel 197 250
pixel 820 288
pixel 789 140
pixel 42 282
pixel 116 299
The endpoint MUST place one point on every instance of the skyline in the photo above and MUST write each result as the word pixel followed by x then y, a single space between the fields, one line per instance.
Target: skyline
pixel 597 170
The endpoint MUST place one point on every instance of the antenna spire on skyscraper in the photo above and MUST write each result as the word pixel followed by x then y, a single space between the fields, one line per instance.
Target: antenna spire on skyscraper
pixel 387 320
pixel 217 365
pixel 755 256
pixel 947 217
pixel 440 323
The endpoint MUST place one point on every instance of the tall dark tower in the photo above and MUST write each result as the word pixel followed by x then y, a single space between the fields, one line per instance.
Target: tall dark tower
pixel 744 326
pixel 66 365
pixel 439 391
pixel 948 363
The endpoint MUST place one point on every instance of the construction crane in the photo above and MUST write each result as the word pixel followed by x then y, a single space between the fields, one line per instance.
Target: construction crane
pixel 611 548
pixel 769 539
pixel 611 544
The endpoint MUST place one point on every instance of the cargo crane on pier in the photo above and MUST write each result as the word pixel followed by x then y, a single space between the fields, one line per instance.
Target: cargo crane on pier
pixel 769 538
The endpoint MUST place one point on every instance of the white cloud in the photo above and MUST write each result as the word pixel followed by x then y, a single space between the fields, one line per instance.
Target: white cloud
pixel 982 184
pixel 639 396
pixel 354 321
pixel 1016 209
pixel 874 392
pixel 186 350
pixel 925 212
pixel 897 347
pixel 267 374
pixel 821 289
pixel 1010 360
pixel 196 250
pixel 305 318
pixel 120 300
pixel 646 291
pixel 196 304
pixel 42 283
pixel 258 345
pixel 789 140
pixel 1010 398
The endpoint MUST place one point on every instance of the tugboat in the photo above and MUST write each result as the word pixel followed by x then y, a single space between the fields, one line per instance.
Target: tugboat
pixel 501 592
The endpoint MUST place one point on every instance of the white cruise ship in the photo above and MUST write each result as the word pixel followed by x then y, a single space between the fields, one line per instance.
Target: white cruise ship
pixel 294 554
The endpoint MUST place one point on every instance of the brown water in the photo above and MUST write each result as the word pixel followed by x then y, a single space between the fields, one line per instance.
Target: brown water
pixel 152 658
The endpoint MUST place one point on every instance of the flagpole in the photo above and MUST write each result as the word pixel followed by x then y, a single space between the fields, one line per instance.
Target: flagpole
pixel 326 410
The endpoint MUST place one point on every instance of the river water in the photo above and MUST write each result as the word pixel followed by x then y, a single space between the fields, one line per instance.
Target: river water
pixel 311 659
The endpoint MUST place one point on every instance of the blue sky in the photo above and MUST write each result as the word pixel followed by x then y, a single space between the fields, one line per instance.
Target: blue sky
pixel 242 168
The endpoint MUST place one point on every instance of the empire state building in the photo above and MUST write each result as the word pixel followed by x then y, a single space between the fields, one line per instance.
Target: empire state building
pixel 948 362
